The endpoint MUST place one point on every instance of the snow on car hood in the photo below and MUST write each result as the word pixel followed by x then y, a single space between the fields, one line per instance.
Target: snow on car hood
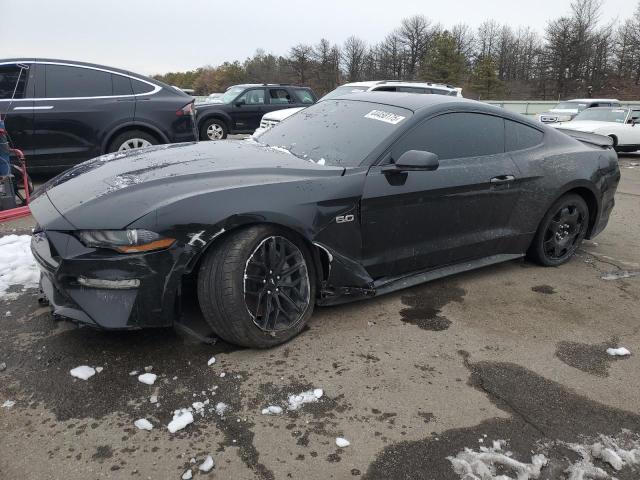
pixel 279 115
pixel 130 185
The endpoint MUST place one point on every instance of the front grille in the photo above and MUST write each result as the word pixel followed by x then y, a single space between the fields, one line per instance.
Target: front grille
pixel 548 119
pixel 268 123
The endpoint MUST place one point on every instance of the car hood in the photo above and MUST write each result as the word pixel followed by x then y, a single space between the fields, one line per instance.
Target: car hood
pixel 584 125
pixel 114 190
pixel 279 115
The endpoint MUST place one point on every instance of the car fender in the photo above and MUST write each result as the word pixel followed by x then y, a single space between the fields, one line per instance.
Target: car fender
pixel 131 125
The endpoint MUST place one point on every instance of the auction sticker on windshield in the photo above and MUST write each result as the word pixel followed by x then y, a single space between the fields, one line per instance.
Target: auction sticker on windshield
pixel 386 117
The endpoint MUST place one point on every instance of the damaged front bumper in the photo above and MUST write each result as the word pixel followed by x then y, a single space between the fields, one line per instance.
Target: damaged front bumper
pixel 107 289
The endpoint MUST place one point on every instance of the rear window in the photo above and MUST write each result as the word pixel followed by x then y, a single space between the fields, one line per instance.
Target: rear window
pixel 337 132
pixel 303 96
pixel 64 81
pixel 521 137
pixel 141 88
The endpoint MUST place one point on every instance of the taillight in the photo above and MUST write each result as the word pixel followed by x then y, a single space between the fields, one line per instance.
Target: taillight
pixel 186 110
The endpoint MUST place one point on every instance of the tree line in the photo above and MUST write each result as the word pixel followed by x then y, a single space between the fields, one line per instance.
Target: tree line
pixel 577 55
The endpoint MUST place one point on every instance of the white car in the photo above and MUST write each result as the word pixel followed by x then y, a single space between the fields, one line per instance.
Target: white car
pixel 621 124
pixel 568 110
pixel 273 118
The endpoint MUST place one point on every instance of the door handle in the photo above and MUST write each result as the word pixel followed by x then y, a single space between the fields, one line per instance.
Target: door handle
pixel 502 179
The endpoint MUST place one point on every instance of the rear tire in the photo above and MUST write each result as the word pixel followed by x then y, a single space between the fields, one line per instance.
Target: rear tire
pixel 257 287
pixel 213 129
pixel 131 140
pixel 561 231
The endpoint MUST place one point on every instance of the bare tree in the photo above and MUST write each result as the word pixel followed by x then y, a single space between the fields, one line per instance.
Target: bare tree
pixel 353 52
pixel 414 35
pixel 300 58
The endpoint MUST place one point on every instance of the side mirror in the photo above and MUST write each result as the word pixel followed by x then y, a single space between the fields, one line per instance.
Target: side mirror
pixel 635 121
pixel 414 160
pixel 239 103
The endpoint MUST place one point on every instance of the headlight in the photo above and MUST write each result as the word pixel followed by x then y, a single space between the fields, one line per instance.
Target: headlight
pixel 125 241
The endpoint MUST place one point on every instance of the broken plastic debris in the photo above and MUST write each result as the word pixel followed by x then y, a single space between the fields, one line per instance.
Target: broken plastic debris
pixel 153 399
pixel 187 475
pixel 133 373
pixel 207 465
pixel 82 372
pixel 143 424
pixel 272 410
pixel 618 352
pixel 211 361
pixel 222 375
pixel 99 369
pixel 342 442
pixel 147 378
pixel 181 418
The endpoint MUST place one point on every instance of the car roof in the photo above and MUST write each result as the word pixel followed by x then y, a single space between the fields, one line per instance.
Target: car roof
pixel 410 101
pixel 609 108
pixel 375 83
pixel 592 100
pixel 70 62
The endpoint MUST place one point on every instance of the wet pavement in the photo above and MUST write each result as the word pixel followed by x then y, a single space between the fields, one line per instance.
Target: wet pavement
pixel 513 352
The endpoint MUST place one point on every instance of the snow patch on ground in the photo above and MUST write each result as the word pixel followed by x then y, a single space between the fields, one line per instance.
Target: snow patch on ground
pixel 619 275
pixel 618 352
pixel 207 465
pixel 8 404
pixel 17 265
pixel 188 475
pixel 211 361
pixel 221 408
pixel 147 378
pixel 342 442
pixel 485 463
pixel 83 372
pixel 310 396
pixel 181 418
pixel 143 424
pixel 496 463
pixel 272 410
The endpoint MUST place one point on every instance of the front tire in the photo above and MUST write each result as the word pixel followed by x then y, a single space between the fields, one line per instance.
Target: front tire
pixel 561 231
pixel 213 129
pixel 257 287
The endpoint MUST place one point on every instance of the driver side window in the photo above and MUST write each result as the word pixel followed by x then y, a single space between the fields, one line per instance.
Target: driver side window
pixel 455 135
pixel 252 97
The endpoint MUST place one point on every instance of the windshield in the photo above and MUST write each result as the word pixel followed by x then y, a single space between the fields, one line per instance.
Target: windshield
pixel 230 95
pixel 595 114
pixel 570 106
pixel 344 90
pixel 336 132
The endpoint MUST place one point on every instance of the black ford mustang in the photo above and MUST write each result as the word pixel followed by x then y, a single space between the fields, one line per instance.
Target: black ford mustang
pixel 350 198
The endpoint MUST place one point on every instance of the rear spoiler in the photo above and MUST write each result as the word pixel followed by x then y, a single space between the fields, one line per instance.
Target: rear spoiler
pixel 601 141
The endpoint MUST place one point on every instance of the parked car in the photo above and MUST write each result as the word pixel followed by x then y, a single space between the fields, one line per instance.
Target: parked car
pixel 241 107
pixel 265 229
pixel 621 124
pixel 66 112
pixel 273 118
pixel 567 111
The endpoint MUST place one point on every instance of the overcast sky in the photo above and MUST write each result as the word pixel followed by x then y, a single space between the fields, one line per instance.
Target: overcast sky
pixel 156 36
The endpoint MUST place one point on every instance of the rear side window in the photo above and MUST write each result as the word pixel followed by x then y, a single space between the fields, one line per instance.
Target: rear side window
pixel 121 85
pixel 141 88
pixel 279 96
pixel 520 137
pixel 414 90
pixel 303 96
pixel 66 82
pixel 455 135
pixel 12 79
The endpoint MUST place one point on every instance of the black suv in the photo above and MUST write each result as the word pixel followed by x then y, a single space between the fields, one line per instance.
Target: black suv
pixel 66 112
pixel 241 107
